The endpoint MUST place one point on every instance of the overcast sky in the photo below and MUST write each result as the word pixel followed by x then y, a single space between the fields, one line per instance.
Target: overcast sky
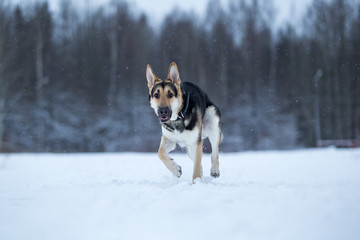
pixel 287 10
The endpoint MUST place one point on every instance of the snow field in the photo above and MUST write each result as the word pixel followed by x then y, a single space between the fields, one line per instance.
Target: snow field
pixel 302 194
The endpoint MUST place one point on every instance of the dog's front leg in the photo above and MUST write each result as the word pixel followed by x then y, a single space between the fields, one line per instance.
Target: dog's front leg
pixel 195 151
pixel 165 147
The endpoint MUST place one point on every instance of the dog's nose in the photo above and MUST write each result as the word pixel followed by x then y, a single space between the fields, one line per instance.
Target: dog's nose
pixel 163 111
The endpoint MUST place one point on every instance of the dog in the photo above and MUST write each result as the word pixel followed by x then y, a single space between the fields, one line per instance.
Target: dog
pixel 187 116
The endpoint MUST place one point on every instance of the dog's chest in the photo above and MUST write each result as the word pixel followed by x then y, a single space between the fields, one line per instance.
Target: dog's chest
pixel 180 135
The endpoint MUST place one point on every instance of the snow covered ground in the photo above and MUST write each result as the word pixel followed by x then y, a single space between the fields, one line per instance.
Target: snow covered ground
pixel 303 194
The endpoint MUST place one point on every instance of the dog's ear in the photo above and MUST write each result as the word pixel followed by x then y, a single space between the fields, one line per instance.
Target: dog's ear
pixel 174 74
pixel 150 76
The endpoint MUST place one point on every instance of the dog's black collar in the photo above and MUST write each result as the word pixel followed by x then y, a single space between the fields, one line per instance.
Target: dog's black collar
pixel 170 127
pixel 182 113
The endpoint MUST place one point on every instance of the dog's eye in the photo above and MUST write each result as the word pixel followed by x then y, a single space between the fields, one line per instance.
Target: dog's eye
pixel 170 94
pixel 156 95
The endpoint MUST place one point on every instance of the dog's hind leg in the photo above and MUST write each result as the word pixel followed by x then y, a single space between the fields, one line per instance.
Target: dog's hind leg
pixel 213 132
pixel 215 137
pixel 165 147
pixel 215 140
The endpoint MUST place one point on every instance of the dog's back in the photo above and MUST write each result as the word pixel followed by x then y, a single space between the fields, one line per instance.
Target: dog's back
pixel 198 97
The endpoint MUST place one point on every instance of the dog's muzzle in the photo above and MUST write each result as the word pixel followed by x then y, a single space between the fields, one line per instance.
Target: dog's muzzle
pixel 164 114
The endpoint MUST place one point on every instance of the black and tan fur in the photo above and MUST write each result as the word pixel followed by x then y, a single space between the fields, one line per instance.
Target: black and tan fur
pixel 187 116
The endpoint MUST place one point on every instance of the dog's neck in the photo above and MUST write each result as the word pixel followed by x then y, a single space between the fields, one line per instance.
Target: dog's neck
pixel 179 122
pixel 184 110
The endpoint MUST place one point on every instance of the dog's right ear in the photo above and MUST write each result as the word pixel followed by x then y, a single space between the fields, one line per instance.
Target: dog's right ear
pixel 150 76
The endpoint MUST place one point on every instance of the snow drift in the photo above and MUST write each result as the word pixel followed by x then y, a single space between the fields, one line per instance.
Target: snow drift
pixel 304 194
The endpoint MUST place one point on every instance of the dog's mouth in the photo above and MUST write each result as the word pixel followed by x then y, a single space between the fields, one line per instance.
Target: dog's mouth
pixel 164 114
pixel 164 118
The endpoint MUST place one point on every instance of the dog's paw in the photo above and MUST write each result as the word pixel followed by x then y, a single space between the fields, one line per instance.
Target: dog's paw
pixel 197 180
pixel 177 171
pixel 215 173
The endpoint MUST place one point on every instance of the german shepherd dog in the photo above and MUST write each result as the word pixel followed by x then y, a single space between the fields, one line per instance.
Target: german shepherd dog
pixel 187 116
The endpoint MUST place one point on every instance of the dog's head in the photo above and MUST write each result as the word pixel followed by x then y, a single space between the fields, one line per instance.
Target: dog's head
pixel 165 95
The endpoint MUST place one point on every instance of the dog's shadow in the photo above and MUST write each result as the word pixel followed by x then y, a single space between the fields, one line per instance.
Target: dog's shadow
pixel 167 182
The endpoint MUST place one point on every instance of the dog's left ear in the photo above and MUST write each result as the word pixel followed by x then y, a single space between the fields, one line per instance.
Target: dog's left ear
pixel 174 74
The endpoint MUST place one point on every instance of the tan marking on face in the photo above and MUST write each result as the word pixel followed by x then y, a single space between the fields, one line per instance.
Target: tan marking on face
pixel 157 80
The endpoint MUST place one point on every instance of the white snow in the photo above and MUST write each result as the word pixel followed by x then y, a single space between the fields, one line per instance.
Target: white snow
pixel 302 194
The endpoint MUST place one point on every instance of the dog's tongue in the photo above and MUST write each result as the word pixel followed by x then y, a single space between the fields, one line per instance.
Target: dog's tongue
pixel 163 118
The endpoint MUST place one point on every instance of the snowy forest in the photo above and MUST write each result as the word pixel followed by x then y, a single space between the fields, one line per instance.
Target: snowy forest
pixel 74 80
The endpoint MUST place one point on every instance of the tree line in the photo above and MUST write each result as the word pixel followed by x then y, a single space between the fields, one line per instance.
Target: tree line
pixel 74 80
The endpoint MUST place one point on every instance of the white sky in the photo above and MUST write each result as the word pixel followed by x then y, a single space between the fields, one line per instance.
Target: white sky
pixel 287 10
